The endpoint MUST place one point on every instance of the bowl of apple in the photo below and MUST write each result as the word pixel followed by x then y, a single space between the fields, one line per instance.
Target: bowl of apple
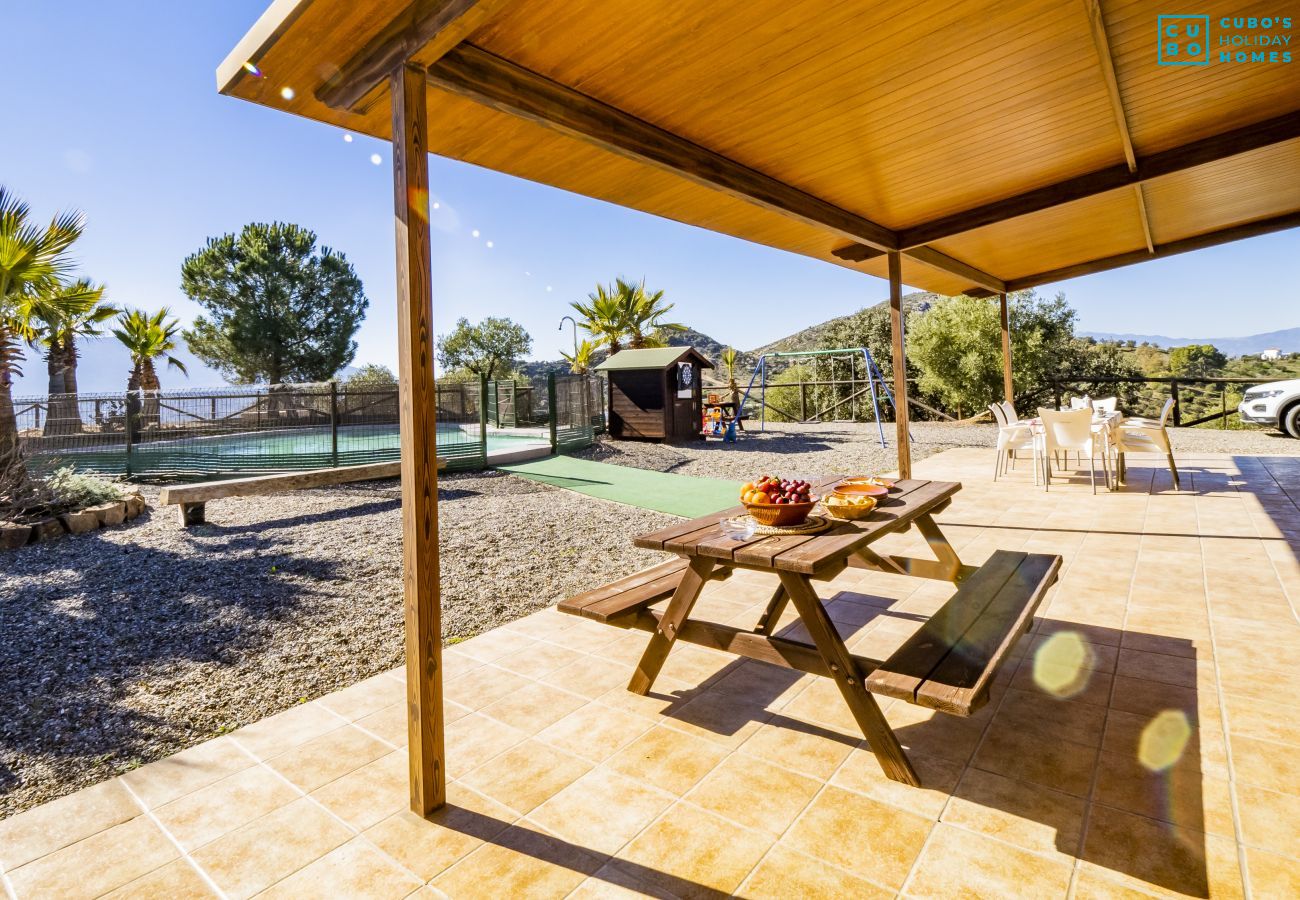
pixel 780 502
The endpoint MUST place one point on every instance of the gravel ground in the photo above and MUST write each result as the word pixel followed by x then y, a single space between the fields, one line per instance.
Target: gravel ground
pixel 806 451
pixel 131 643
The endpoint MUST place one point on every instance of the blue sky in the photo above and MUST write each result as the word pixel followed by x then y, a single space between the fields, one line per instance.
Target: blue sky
pixel 111 108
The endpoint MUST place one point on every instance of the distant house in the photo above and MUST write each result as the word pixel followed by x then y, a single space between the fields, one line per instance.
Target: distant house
pixel 1272 353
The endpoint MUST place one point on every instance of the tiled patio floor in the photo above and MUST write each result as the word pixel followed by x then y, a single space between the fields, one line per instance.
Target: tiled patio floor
pixel 1144 741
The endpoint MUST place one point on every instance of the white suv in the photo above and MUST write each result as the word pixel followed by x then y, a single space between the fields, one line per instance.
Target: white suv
pixel 1276 403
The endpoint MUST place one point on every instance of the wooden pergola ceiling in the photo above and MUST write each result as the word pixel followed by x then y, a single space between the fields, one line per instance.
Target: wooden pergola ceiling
pixel 998 145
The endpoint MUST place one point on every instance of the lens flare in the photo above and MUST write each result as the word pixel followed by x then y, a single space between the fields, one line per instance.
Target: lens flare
pixel 489 243
pixel 347 138
pixel 252 69
pixel 1063 664
pixel 376 159
pixel 548 289
pixel 1164 740
pixel 287 92
pixel 474 232
pixel 436 204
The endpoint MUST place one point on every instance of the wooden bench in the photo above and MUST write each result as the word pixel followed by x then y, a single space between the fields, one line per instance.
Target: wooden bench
pixel 949 663
pixel 192 498
pixel 619 602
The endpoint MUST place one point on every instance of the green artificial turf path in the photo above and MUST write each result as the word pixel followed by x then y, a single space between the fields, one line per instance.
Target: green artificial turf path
pixel 679 495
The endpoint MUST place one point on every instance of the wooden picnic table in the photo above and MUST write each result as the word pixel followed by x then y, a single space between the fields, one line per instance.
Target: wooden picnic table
pixel 947 665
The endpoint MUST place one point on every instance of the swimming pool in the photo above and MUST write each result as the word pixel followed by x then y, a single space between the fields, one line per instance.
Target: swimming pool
pixel 285 449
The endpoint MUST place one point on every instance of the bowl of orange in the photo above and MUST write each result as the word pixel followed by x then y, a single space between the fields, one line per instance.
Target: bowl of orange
pixel 779 502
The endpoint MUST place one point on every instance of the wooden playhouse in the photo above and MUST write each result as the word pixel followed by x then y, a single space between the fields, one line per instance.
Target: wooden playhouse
pixel 654 394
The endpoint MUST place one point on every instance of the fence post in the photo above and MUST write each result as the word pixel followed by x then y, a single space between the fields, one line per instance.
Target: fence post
pixel 128 429
pixel 482 415
pixel 1178 404
pixel 1056 392
pixel 1223 406
pixel 555 412
pixel 334 422
pixel 803 401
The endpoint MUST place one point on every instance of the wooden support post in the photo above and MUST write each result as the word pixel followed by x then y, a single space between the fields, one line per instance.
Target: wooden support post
pixel 900 365
pixel 1178 403
pixel 419 450
pixel 1007 387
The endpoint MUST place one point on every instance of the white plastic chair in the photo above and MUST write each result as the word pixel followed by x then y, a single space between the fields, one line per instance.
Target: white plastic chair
pixel 1071 430
pixel 1012 436
pixel 1138 435
pixel 1084 402
pixel 1105 405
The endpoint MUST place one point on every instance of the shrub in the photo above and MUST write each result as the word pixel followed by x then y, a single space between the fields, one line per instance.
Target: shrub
pixel 76 490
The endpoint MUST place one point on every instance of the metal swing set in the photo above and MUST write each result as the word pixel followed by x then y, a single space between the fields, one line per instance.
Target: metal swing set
pixel 873 376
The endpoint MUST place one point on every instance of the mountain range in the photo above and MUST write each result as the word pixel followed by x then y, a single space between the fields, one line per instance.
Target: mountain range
pixel 1287 340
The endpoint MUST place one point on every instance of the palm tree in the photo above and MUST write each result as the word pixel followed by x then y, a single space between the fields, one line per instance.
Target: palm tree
pixel 729 359
pixel 643 314
pixel 580 359
pixel 603 316
pixel 32 259
pixel 147 337
pixel 65 312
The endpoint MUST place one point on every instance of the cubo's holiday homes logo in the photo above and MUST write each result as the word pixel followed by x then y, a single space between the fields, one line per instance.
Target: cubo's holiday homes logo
pixel 1185 40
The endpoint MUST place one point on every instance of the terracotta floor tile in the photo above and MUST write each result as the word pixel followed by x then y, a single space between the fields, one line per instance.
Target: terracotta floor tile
pixel 1148 698
pixel 355 870
pixel 1017 812
pixel 474 739
pixel 754 793
pixel 725 719
pixel 1051 762
pixel 1269 820
pixel 222 807
pixel 590 676
pixel 601 811
pixel 257 855
pixel 286 730
pixel 519 862
pixel 1067 682
pixel 495 644
pixel 959 863
pixel 784 874
pixel 389 723
pixel 862 773
pixel 871 839
pixel 691 853
pixel 1161 856
pixel 32 834
pixel 533 707
pixel 668 759
pixel 1181 793
pixel 934 733
pixel 178 880
pixel 332 755
pixel 822 702
pixel 481 686
pixel 364 697
pixel 427 846
pixel 1266 764
pixel 526 775
pixel 189 770
pixel 810 749
pixel 1033 712
pixel 538 660
pixel 595 732
pixel 97 864
pixel 368 794
pixel 668 693
pixel 1272 875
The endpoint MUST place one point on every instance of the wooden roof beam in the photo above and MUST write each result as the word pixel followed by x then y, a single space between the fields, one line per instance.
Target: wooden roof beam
pixel 1281 128
pixel 500 84
pixel 447 22
pixel 1172 248
pixel 987 285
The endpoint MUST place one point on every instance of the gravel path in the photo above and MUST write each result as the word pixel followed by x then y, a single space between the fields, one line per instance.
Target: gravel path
pixel 806 451
pixel 132 643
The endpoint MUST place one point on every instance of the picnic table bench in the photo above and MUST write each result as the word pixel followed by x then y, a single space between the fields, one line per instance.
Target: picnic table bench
pixel 947 665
